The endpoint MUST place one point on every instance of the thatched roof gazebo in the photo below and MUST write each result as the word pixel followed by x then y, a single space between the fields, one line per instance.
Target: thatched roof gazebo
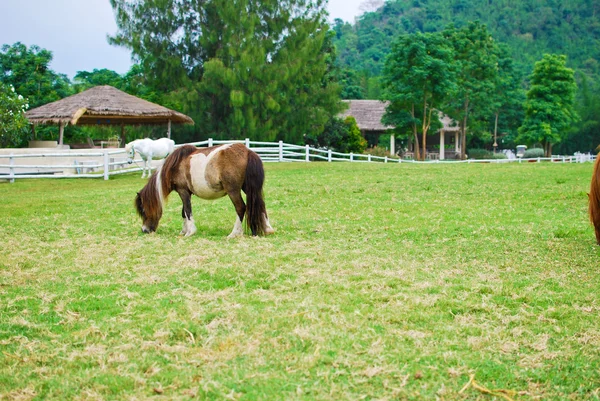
pixel 104 105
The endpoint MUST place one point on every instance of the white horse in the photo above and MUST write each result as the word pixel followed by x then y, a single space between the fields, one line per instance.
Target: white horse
pixel 148 150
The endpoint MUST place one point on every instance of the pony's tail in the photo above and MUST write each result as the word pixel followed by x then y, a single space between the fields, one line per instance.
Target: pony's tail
pixel 253 186
pixel 594 198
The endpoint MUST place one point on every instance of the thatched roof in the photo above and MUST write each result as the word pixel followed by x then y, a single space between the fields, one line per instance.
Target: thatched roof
pixel 104 105
pixel 368 114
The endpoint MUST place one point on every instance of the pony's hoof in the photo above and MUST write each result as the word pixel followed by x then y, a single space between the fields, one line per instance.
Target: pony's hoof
pixel 269 231
pixel 232 236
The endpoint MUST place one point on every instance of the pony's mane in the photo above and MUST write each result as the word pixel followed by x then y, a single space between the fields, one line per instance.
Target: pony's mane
pixel 594 206
pixel 147 201
pixel 171 165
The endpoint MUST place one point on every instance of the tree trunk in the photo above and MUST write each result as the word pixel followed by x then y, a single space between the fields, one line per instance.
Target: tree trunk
pixel 496 132
pixel 463 134
pixel 415 133
pixel 424 130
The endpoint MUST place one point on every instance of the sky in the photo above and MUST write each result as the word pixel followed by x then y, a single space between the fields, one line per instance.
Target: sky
pixel 76 31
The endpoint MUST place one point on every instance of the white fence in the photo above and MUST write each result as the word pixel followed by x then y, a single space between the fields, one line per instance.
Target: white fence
pixel 95 163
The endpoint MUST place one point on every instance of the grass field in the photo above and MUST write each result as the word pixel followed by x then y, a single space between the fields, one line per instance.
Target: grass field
pixel 383 281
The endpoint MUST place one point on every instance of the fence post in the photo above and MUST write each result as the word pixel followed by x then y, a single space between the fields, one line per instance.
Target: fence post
pixel 11 175
pixel 307 158
pixel 280 151
pixel 105 165
pixel 329 155
pixel 351 156
pixel 248 143
pixel 385 159
pixel 210 142
pixel 399 160
pixel 369 158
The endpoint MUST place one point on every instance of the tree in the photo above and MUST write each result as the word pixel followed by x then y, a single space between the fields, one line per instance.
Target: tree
pixel 247 68
pixel 507 98
pixel 13 124
pixel 475 54
pixel 28 71
pixel 85 79
pixel 418 78
pixel 549 107
pixel 340 135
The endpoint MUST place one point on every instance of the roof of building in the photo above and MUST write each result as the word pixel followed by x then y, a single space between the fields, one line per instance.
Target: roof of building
pixel 104 105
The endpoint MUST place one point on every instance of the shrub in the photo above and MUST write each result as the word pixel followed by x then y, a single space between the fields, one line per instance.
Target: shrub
pixel 342 136
pixel 479 154
pixel 379 151
pixel 499 156
pixel 533 153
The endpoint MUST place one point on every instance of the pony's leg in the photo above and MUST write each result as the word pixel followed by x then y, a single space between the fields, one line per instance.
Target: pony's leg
pixel 268 228
pixel 147 167
pixel 189 228
pixel 240 209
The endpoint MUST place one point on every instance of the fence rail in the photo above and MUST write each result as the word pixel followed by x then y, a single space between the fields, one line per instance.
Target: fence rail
pixel 103 164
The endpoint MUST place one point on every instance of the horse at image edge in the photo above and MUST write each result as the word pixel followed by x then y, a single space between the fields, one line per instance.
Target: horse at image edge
pixel 594 199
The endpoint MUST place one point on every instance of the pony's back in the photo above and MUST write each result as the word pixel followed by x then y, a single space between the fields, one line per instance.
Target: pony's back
pixel 594 198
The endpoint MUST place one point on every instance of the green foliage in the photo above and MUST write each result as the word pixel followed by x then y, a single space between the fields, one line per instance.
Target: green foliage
pixel 262 70
pixel 549 108
pixel 476 58
pixel 533 153
pixel 28 71
pixel 13 124
pixel 530 28
pixel 479 154
pixel 585 133
pixel 418 76
pixel 356 142
pixel 499 155
pixel 340 135
pixel 379 151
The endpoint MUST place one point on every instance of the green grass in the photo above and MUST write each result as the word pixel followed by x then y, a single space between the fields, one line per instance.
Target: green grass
pixel 383 281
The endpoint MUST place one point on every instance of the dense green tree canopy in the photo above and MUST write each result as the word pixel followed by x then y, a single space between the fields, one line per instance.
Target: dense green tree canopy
pixel 419 77
pixel 246 68
pixel 549 110
pixel 476 61
pixel 13 124
pixel 28 71
pixel 530 28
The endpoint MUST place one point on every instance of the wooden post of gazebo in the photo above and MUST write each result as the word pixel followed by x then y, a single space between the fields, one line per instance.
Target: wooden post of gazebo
pixel 169 129
pixel 123 138
pixel 61 133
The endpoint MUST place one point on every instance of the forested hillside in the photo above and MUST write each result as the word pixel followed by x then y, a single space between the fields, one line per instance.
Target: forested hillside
pixel 525 30
pixel 530 28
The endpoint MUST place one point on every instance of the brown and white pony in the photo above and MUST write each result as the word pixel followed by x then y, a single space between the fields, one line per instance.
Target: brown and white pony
pixel 594 198
pixel 208 173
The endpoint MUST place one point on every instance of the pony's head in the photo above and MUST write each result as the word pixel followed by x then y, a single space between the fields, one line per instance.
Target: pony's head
pixel 130 151
pixel 149 206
